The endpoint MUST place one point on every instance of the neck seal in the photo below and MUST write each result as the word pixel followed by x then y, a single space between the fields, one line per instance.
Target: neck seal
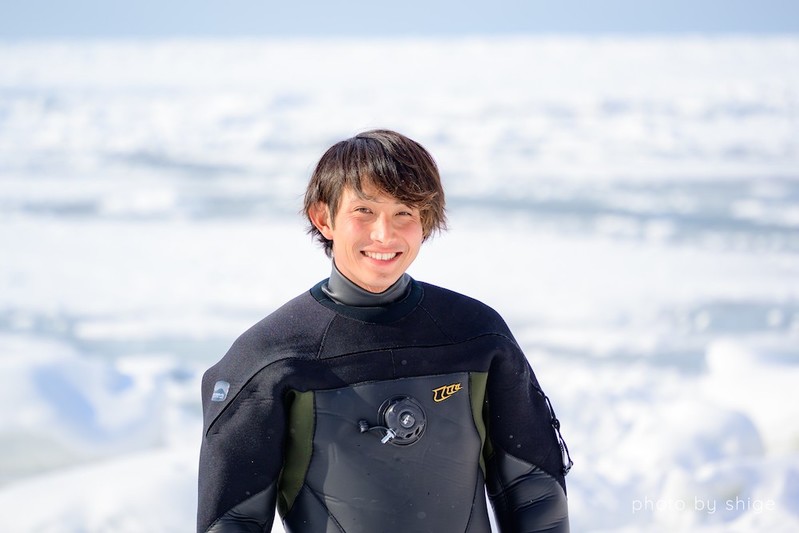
pixel 343 291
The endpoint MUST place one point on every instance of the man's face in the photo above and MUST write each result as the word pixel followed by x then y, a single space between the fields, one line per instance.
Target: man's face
pixel 375 238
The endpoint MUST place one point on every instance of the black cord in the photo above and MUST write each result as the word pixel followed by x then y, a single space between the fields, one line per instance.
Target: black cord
pixel 388 434
pixel 564 450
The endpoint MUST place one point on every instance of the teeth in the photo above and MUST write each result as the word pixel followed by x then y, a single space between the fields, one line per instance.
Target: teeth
pixel 381 257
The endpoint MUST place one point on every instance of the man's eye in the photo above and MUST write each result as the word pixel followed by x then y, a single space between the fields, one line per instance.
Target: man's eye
pixel 363 210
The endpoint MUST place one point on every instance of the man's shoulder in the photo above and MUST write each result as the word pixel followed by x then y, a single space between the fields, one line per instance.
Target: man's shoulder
pixel 290 327
pixel 445 296
pixel 294 329
pixel 463 313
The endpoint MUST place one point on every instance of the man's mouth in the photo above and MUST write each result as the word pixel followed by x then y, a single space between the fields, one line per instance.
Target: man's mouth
pixel 381 256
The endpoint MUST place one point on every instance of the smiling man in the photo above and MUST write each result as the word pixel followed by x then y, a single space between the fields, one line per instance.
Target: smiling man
pixel 373 402
pixel 374 236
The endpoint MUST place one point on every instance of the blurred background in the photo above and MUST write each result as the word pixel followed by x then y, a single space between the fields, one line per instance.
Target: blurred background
pixel 623 187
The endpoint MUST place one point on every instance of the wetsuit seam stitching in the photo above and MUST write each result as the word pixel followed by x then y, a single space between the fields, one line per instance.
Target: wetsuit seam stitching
pixel 451 342
pixel 474 503
pixel 534 467
pixel 322 503
pixel 324 337
pixel 438 325
pixel 501 494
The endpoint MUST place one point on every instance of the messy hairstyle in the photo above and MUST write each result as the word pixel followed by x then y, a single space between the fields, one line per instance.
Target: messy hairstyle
pixel 392 163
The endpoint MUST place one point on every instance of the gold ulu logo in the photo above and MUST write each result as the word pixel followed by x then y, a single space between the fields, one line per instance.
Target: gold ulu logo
pixel 442 393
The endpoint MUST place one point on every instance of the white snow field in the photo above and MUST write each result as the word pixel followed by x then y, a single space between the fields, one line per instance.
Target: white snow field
pixel 630 205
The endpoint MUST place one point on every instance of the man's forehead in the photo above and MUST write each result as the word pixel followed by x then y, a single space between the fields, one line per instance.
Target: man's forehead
pixel 372 194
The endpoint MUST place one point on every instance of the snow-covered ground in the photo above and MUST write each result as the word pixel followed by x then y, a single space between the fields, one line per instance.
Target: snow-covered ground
pixel 631 206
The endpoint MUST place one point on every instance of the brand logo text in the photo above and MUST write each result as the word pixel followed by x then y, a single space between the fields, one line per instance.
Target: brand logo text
pixel 442 393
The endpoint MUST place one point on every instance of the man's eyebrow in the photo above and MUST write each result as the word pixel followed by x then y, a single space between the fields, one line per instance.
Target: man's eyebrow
pixel 369 198
pixel 360 195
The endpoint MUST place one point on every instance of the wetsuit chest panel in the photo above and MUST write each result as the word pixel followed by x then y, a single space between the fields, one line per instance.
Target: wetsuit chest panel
pixel 370 486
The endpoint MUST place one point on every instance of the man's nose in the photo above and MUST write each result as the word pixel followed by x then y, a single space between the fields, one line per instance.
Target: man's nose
pixel 382 229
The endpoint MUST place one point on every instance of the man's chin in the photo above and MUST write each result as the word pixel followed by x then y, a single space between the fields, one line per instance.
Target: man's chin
pixel 378 284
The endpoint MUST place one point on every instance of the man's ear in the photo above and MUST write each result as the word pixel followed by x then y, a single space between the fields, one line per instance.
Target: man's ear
pixel 320 217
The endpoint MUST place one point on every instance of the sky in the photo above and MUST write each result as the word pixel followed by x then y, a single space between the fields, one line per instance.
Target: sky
pixel 45 19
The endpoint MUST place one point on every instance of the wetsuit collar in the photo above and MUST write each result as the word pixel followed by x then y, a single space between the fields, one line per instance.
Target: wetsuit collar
pixel 393 304
pixel 343 291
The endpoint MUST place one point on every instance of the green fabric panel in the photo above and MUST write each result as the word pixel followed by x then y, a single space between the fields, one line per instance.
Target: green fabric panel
pixel 299 446
pixel 477 390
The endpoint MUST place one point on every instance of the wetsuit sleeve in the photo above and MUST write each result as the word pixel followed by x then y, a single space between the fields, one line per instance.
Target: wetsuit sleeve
pixel 240 459
pixel 524 460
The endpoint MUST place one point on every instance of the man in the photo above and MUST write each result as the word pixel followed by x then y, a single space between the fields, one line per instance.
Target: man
pixel 373 402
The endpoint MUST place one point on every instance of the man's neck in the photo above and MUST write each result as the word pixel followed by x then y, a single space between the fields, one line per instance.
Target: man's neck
pixel 343 291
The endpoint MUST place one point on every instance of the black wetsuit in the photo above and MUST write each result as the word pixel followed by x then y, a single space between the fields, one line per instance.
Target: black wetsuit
pixel 379 419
